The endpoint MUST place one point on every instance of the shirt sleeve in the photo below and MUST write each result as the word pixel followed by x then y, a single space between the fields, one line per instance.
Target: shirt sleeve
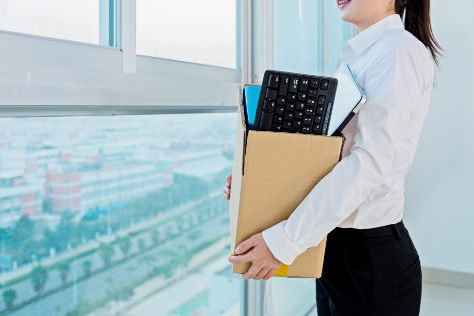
pixel 393 87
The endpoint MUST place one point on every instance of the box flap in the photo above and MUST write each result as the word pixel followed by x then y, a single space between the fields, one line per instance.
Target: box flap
pixel 236 184
pixel 273 156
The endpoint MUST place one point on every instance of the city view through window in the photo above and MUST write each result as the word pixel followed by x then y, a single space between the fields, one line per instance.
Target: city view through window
pixel 118 215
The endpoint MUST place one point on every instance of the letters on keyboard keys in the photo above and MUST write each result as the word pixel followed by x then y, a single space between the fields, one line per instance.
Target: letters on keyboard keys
pixel 291 97
pixel 298 115
pixel 319 109
pixel 290 107
pixel 268 105
pixel 300 106
pixel 285 82
pixel 324 84
pixel 304 84
pixel 273 81
pixel 306 129
pixel 314 83
pixel 321 100
pixel 280 109
pixel 301 96
pixel 294 81
pixel 288 116
pixel 281 101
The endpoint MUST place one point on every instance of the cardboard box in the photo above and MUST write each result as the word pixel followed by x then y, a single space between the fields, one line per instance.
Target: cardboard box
pixel 272 174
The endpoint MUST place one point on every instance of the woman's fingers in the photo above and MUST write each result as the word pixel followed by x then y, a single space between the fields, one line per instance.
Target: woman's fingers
pixel 226 191
pixel 227 187
pixel 269 274
pixel 261 274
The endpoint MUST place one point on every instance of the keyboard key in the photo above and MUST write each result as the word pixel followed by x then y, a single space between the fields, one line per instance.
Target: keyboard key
pixel 277 127
pixel 326 120
pixel 316 127
pixel 307 120
pixel 281 101
pixel 327 115
pixel 301 96
pixel 287 125
pixel 268 105
pixel 319 109
pixel 318 118
pixel 298 115
pixel 294 81
pixel 290 107
pixel 312 93
pixel 314 83
pixel 278 119
pixel 308 111
pixel 300 106
pixel 321 100
pixel 271 94
pixel 280 109
pixel 266 121
pixel 296 124
pixel 304 84
pixel 294 130
pixel 273 81
pixel 324 84
pixel 311 102
pixel 324 130
pixel 285 82
pixel 305 129
pixel 291 97
pixel 289 116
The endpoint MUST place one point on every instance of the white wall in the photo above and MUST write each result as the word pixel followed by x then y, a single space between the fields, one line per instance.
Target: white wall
pixel 439 208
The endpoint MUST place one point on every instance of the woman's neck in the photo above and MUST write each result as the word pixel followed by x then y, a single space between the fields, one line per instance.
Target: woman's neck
pixel 363 25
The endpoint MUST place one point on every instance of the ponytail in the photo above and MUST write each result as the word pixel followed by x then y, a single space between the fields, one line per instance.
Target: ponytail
pixel 418 23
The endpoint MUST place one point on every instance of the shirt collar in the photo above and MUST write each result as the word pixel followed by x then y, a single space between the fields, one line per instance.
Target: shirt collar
pixel 373 33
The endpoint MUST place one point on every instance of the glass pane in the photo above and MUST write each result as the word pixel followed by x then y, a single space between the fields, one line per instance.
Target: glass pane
pixel 116 215
pixel 293 297
pixel 87 21
pixel 297 29
pixel 201 32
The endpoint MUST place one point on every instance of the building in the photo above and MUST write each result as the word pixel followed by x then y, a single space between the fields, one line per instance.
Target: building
pixel 19 197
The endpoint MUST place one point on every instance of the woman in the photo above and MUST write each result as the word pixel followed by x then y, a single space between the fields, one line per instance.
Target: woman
pixel 371 266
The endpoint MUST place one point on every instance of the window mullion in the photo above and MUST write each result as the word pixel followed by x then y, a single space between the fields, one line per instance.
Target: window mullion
pixel 129 36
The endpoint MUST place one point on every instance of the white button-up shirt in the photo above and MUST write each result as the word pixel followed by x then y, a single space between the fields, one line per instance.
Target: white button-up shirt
pixel 365 189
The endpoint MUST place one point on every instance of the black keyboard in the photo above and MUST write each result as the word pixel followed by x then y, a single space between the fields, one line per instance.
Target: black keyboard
pixel 295 103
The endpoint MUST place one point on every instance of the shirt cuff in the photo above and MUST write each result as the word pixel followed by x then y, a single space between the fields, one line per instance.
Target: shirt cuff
pixel 280 245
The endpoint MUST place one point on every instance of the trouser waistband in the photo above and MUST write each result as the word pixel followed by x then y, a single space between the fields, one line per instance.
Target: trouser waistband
pixel 388 230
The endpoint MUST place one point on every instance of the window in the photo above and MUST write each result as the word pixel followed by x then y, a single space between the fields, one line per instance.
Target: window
pixel 87 21
pixel 161 248
pixel 202 32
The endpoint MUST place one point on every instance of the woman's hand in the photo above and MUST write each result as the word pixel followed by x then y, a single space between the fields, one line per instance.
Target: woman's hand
pixel 227 187
pixel 255 250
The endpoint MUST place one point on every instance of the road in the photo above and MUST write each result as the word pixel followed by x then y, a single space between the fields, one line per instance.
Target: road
pixel 97 285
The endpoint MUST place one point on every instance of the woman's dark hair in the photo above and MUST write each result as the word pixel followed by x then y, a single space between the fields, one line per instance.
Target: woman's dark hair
pixel 418 23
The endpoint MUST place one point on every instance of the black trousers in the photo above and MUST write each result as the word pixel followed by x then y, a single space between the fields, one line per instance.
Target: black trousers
pixel 372 272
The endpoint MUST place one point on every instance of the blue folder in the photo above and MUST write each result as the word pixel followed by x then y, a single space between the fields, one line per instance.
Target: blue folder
pixel 250 96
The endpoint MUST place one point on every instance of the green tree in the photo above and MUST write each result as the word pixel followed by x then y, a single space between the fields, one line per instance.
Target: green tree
pixel 64 269
pixel 125 243
pixel 141 244
pixel 8 297
pixel 87 267
pixel 24 228
pixel 39 276
pixel 155 236
pixel 107 252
